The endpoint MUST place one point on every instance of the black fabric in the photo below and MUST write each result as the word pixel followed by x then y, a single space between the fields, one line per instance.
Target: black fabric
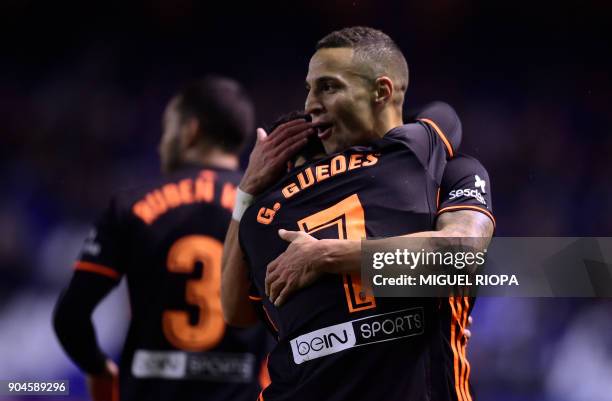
pixel 72 319
pixel 445 117
pixel 391 190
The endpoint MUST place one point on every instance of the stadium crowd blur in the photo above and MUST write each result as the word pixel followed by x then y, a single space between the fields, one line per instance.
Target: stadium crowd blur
pixel 81 99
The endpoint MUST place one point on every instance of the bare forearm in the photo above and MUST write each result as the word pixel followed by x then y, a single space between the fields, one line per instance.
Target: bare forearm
pixel 473 226
pixel 452 228
pixel 340 256
pixel 237 308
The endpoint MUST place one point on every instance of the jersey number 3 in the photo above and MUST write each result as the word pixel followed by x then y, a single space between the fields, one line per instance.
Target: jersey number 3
pixel 347 215
pixel 204 293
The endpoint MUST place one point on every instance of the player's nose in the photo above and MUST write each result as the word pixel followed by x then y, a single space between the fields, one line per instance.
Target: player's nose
pixel 313 106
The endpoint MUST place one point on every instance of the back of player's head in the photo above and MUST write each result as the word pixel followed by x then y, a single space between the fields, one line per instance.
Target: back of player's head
pixel 285 118
pixel 313 148
pixel 374 48
pixel 225 112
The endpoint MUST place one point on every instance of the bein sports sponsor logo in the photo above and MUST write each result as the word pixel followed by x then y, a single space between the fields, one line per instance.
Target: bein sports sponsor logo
pixel 326 341
pixel 365 331
pixel 159 364
pixel 397 325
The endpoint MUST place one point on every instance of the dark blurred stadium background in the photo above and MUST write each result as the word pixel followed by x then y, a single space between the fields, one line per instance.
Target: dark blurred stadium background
pixel 82 89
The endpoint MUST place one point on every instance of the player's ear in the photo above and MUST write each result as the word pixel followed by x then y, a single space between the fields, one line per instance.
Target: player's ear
pixel 384 90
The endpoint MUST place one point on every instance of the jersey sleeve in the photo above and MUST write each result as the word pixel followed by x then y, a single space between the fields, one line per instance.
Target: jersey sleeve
pixel 103 250
pixel 72 320
pixel 465 186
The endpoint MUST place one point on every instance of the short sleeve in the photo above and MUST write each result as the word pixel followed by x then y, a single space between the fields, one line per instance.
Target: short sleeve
pixel 102 252
pixel 465 186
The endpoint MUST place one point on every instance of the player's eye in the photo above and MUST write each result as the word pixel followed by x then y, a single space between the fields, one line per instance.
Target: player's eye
pixel 327 87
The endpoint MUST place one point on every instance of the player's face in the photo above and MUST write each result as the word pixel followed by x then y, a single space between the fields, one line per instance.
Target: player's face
pixel 340 98
pixel 170 144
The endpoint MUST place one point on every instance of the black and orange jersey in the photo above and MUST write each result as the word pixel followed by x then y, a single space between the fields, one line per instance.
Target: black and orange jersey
pixel 335 341
pixel 465 186
pixel 167 239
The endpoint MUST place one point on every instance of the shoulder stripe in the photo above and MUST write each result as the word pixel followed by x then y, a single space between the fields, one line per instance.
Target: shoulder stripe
pixel 467 207
pixel 449 147
pixel 96 268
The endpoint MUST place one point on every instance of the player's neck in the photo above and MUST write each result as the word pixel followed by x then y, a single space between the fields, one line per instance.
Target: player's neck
pixel 388 119
pixel 214 157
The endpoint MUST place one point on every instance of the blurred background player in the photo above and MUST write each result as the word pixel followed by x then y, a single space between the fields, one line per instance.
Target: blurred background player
pixel 166 238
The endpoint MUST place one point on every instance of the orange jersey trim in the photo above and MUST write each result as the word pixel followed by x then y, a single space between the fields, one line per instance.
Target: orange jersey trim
pixel 466 377
pixel 254 298
pixel 269 318
pixel 453 342
pixel 468 207
pixel 449 147
pixel 96 268
pixel 460 362
pixel 264 374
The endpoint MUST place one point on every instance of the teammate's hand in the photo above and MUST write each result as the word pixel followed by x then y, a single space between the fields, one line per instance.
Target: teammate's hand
pixel 293 269
pixel 105 386
pixel 268 160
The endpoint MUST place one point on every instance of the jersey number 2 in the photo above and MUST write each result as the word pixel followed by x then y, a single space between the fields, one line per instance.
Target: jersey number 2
pixel 348 217
pixel 203 292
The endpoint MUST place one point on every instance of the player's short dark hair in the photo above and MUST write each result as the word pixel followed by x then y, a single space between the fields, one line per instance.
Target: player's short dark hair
pixel 285 118
pixel 224 110
pixel 374 47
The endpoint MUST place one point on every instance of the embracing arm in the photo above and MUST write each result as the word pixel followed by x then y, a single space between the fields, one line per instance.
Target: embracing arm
pixel 237 308
pixel 342 256
pixel 307 258
pixel 464 218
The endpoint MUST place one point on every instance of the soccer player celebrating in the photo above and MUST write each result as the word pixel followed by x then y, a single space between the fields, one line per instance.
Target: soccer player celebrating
pixel 385 186
pixel 166 239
